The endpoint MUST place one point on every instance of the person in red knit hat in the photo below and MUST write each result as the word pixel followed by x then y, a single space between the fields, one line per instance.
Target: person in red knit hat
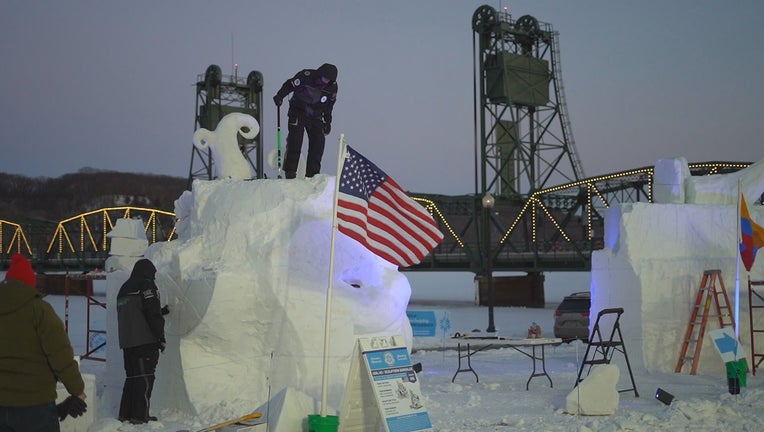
pixel 35 352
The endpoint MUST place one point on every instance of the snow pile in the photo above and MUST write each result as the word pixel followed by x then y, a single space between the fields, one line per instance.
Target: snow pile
pixel 596 394
pixel 246 283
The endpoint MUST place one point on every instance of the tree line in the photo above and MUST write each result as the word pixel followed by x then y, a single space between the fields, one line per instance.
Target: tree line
pixel 55 199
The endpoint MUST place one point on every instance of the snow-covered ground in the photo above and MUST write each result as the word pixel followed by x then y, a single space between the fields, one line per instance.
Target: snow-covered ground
pixel 499 400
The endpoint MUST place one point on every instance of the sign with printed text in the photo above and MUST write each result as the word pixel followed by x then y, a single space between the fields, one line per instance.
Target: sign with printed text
pixel 431 328
pixel 383 389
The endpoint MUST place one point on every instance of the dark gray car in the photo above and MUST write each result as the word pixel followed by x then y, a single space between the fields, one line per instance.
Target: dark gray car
pixel 571 318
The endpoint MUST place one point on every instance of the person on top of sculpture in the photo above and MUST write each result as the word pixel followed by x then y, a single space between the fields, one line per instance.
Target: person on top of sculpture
pixel 314 92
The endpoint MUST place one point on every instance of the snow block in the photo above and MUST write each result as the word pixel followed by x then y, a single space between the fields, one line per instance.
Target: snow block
pixel 652 265
pixel 117 262
pixel 83 422
pixel 128 246
pixel 128 228
pixel 596 394
pixel 723 189
pixel 668 180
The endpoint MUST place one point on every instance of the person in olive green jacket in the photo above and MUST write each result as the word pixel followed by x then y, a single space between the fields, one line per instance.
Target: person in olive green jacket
pixel 35 352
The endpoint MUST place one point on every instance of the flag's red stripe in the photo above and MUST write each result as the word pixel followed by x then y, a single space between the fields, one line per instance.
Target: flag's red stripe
pixel 355 219
pixel 411 213
pixel 378 242
pixel 380 234
pixel 396 232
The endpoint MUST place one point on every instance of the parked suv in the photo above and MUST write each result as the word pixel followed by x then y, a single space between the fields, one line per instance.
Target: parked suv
pixel 571 318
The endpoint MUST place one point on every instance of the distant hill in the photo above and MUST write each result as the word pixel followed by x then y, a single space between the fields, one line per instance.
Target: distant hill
pixel 54 199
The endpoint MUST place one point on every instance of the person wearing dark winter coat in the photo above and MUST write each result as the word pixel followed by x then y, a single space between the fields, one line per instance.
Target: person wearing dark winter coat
pixel 141 338
pixel 35 353
pixel 314 92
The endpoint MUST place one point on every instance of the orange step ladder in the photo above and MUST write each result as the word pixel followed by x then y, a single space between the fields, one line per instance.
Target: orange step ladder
pixel 708 293
pixel 755 297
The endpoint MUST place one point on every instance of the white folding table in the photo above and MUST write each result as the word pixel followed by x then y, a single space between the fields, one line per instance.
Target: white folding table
pixel 476 344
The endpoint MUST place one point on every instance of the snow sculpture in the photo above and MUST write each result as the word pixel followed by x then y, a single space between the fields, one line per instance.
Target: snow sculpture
pixel 674 184
pixel 246 284
pixel 228 160
pixel 654 259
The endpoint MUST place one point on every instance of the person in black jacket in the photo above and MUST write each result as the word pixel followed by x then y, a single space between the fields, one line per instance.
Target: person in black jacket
pixel 141 338
pixel 314 92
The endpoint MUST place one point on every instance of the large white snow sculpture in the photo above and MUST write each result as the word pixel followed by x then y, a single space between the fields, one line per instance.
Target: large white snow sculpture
pixel 654 259
pixel 246 284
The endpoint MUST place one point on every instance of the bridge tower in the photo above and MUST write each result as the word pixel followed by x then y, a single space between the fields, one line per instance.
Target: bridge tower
pixel 217 96
pixel 523 137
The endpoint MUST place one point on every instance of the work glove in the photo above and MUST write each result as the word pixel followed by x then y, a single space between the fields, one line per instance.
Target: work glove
pixel 165 310
pixel 327 128
pixel 72 406
pixel 277 100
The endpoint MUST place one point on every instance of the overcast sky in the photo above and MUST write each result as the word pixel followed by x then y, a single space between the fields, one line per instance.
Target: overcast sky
pixel 110 84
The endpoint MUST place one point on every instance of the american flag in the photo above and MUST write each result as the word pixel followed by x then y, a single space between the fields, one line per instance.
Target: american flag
pixel 374 210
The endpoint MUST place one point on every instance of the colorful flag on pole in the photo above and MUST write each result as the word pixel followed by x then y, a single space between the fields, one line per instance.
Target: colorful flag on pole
pixel 374 210
pixel 751 235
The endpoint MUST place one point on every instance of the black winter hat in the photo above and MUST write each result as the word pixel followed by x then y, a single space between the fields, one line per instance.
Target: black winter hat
pixel 328 70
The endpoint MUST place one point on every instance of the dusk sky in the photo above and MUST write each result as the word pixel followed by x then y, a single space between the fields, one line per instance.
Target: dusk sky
pixel 110 84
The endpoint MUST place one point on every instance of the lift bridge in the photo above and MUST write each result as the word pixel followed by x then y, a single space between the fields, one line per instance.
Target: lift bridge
pixel 532 209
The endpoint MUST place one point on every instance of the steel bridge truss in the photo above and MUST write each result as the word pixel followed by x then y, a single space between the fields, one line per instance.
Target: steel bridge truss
pixel 555 229
pixel 81 241
pixel 13 240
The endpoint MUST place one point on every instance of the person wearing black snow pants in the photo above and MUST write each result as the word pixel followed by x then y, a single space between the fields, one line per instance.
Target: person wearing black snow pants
pixel 314 92
pixel 140 365
pixel 141 337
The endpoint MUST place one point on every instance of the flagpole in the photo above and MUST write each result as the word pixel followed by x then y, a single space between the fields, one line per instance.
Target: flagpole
pixel 737 258
pixel 328 313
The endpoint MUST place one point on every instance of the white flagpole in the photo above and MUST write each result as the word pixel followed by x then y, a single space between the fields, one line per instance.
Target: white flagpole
pixel 328 317
pixel 737 259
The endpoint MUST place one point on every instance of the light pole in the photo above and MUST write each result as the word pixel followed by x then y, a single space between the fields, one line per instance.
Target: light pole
pixel 488 202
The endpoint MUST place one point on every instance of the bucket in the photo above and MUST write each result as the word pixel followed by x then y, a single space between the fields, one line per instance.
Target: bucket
pixel 316 423
pixel 737 372
pixel 738 369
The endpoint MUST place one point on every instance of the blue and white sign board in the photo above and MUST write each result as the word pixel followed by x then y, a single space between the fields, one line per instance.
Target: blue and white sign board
pixel 383 390
pixel 430 327
pixel 727 345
